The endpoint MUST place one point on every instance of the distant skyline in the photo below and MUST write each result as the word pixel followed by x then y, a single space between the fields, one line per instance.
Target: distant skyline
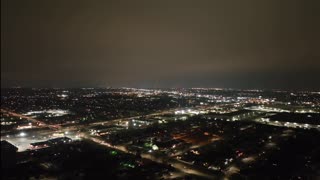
pixel 267 44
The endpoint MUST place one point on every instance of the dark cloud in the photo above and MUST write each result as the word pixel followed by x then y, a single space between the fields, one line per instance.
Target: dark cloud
pixel 255 44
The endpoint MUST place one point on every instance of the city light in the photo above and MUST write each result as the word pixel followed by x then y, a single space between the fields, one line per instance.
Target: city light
pixel 22 134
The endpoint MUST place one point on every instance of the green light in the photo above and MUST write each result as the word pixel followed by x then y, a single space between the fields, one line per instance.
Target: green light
pixel 128 165
pixel 113 153
pixel 147 144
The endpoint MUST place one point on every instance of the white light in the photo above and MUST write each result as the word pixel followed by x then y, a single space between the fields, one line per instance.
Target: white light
pixel 22 134
pixel 155 147
pixel 64 95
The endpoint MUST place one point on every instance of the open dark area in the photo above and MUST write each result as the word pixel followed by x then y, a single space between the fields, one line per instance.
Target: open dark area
pixel 310 118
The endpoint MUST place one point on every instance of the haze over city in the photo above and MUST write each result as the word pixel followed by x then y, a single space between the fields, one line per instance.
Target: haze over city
pixel 235 44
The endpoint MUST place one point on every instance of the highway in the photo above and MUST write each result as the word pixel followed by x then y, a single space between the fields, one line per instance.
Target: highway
pixel 283 124
pixel 115 121
pixel 183 167
pixel 37 122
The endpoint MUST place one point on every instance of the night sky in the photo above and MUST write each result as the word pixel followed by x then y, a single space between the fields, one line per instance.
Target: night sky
pixel 164 43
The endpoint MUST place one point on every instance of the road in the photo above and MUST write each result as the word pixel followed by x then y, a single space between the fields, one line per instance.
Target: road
pixel 39 123
pixel 179 165
pixel 114 121
pixel 183 167
pixel 35 121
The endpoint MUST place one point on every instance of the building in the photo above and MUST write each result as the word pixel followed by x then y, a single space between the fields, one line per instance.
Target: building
pixel 8 154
